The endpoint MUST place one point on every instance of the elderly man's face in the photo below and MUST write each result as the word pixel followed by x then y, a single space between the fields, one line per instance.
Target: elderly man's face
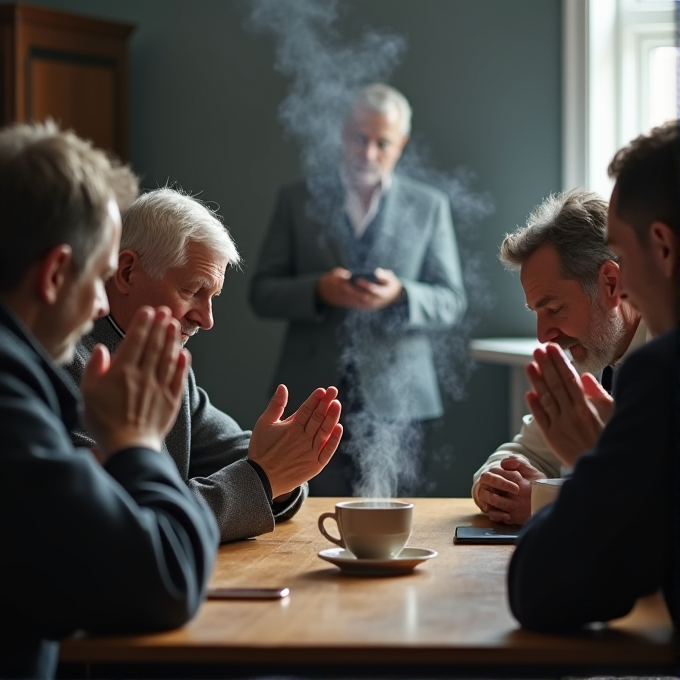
pixel 188 290
pixel 372 143
pixel 648 269
pixel 590 330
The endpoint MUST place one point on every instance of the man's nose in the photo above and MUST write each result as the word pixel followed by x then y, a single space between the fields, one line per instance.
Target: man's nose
pixel 546 331
pixel 371 152
pixel 202 315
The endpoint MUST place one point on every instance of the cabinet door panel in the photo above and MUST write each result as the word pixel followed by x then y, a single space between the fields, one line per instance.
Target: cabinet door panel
pixel 76 94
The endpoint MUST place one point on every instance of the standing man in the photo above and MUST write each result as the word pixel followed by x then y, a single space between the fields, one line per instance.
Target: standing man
pixel 174 252
pixel 625 480
pixel 571 283
pixel 363 263
pixel 117 545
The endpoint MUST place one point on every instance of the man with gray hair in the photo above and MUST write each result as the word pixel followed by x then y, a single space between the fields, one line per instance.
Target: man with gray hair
pixel 571 282
pixel 174 252
pixel 363 264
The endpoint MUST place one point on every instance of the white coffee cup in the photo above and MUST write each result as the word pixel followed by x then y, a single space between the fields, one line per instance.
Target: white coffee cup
pixel 375 529
pixel 543 492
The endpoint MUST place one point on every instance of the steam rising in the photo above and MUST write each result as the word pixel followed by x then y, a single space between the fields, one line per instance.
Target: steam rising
pixel 325 72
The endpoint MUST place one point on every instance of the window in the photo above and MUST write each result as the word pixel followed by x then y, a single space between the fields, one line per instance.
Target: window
pixel 620 80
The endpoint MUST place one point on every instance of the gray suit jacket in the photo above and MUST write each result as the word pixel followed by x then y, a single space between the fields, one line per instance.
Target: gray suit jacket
pixel 209 449
pixel 389 349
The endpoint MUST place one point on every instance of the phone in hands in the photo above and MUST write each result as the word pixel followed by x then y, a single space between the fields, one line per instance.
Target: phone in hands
pixel 367 276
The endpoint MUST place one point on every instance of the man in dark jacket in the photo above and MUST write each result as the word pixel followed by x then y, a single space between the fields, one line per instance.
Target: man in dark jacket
pixel 115 543
pixel 575 562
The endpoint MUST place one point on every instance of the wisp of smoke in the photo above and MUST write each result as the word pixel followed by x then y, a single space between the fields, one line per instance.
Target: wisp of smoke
pixel 325 72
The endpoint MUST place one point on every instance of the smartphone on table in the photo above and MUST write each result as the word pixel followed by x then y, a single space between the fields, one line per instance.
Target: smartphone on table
pixel 247 593
pixel 486 535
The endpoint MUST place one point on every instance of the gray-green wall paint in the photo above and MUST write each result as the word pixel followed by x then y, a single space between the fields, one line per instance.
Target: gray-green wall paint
pixel 484 78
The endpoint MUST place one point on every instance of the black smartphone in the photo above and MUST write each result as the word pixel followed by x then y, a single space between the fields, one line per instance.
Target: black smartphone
pixel 247 593
pixel 480 535
pixel 368 276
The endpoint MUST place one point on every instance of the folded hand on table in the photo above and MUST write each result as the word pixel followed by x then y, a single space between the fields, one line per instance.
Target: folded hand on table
pixel 504 491
pixel 570 411
pixel 132 399
pixel 294 450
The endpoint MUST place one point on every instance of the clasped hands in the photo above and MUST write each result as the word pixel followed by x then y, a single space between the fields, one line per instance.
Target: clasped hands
pixel 336 289
pixel 504 490
pixel 571 410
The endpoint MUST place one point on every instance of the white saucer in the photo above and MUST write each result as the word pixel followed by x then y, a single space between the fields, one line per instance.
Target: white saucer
pixel 407 560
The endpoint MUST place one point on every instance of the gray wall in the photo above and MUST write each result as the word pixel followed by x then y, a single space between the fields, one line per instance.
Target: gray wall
pixel 484 80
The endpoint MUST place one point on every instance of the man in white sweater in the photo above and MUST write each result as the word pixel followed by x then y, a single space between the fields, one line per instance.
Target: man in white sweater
pixel 571 282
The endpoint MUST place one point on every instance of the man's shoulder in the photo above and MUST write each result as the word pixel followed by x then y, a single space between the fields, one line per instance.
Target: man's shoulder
pixel 664 348
pixel 27 370
pixel 417 190
pixel 320 184
pixel 652 369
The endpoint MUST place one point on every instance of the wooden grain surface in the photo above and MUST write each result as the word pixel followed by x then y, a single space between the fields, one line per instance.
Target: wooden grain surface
pixel 451 610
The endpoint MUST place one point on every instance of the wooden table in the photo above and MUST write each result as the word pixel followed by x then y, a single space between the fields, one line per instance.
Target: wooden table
pixel 448 618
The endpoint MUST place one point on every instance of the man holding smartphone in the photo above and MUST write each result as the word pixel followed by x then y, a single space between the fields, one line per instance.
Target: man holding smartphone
pixel 115 544
pixel 363 264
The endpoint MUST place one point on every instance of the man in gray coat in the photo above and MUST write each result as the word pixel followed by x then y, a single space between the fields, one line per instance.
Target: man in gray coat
pixel 364 265
pixel 174 252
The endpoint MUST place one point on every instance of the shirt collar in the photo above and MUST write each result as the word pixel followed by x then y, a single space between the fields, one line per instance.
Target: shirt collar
pixel 359 216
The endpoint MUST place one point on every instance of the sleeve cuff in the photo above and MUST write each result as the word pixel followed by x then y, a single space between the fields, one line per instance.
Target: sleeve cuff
pixel 263 478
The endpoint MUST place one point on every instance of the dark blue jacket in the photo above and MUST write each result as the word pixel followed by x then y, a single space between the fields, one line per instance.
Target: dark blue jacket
pixel 113 549
pixel 611 536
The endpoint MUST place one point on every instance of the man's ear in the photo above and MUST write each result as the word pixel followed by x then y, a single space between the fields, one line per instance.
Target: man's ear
pixel 609 284
pixel 53 272
pixel 126 274
pixel 664 248
pixel 404 142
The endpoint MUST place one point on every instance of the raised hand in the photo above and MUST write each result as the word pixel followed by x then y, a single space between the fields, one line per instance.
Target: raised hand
pixel 132 399
pixel 504 491
pixel 598 396
pixel 294 450
pixel 570 422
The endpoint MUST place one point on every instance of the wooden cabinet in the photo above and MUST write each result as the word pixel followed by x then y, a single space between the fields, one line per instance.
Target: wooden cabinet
pixel 71 68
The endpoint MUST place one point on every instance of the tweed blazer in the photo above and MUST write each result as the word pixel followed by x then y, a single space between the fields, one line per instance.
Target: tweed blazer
pixel 391 349
pixel 209 449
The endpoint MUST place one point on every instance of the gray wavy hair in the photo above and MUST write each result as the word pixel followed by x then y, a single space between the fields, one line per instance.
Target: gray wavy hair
pixel 160 224
pixel 382 98
pixel 574 223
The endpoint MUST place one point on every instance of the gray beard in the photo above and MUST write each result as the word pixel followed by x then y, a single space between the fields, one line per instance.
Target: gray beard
pixel 607 330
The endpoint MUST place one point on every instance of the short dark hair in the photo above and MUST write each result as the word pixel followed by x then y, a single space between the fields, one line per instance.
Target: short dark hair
pixel 54 188
pixel 647 173
pixel 574 223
